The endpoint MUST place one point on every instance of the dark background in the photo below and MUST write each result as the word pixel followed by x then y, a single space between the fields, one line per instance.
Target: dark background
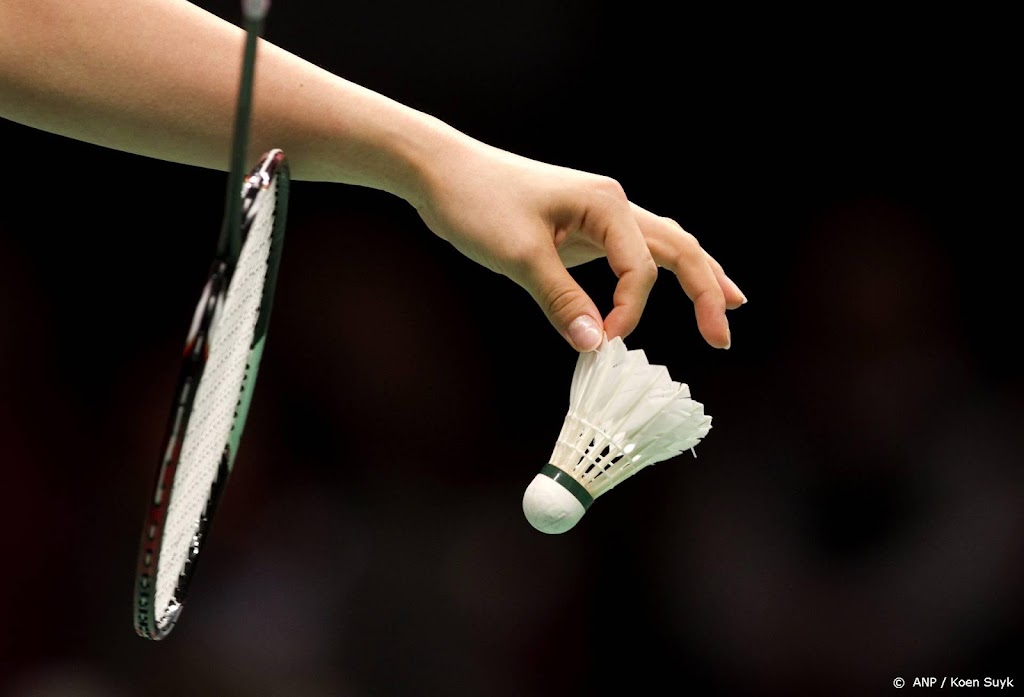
pixel 854 515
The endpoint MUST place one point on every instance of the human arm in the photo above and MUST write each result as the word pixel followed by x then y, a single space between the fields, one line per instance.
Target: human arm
pixel 159 78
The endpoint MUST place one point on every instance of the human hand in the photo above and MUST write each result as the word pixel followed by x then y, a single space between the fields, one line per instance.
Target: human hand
pixel 533 221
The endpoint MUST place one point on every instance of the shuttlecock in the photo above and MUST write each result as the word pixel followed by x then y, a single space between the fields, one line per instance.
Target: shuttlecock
pixel 624 414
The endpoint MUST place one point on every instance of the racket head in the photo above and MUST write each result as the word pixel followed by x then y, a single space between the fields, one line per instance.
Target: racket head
pixel 220 363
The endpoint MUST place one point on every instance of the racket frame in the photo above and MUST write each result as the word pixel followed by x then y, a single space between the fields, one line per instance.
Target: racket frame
pixel 272 167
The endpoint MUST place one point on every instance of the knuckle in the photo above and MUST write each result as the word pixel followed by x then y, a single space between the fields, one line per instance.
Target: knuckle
pixel 560 301
pixel 645 271
pixel 608 190
pixel 610 186
pixel 680 232
pixel 687 256
pixel 519 253
pixel 688 249
pixel 648 270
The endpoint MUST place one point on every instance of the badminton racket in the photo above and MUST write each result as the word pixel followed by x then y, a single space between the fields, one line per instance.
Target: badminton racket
pixel 218 373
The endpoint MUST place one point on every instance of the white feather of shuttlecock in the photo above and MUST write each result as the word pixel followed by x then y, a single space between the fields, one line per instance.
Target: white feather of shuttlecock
pixel 624 415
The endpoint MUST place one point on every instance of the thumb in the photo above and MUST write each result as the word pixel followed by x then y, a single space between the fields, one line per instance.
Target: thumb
pixel 569 309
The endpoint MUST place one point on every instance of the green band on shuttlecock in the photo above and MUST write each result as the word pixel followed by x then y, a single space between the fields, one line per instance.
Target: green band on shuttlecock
pixel 570 484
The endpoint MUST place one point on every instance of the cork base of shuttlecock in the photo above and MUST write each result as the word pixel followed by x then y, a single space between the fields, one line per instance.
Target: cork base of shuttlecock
pixel 554 502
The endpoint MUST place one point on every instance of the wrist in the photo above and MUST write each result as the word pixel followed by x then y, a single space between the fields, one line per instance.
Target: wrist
pixel 366 139
pixel 419 150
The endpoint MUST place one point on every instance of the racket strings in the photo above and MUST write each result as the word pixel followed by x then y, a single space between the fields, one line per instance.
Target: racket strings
pixel 215 407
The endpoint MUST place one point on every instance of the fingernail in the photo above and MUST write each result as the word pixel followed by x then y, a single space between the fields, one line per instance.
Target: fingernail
pixel 584 333
pixel 728 339
pixel 737 289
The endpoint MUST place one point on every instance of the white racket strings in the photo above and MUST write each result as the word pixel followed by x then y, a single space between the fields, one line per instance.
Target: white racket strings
pixel 216 401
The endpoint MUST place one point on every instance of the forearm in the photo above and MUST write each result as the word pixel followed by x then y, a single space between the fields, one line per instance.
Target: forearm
pixel 160 78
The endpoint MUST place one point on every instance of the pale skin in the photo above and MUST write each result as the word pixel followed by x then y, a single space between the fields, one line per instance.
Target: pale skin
pixel 159 78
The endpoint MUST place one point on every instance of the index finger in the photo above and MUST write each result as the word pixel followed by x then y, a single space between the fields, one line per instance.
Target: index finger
pixel 631 261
